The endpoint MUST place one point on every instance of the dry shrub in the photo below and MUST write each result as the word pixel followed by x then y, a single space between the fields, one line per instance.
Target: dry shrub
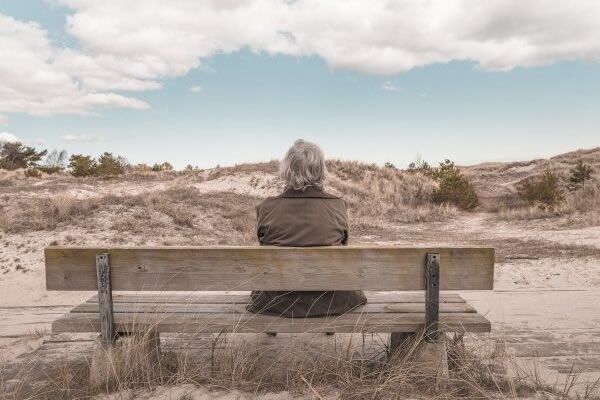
pixel 344 371
pixel 454 187
pixel 579 207
pixel 379 196
pixel 543 191
pixel 227 218
pixel 45 213
pixel 271 167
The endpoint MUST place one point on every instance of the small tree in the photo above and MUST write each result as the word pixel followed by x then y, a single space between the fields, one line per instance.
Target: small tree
pixel 109 165
pixel 15 155
pixel 543 189
pixel 454 187
pixel 166 166
pixel 389 165
pixel 81 165
pixel 419 165
pixel 581 173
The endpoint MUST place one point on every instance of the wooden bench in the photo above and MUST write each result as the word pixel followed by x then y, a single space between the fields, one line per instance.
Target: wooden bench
pixel 388 274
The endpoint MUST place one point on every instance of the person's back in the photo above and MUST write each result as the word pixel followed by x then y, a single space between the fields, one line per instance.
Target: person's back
pixel 304 215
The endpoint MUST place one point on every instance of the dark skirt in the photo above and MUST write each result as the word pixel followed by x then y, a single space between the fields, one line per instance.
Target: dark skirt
pixel 302 304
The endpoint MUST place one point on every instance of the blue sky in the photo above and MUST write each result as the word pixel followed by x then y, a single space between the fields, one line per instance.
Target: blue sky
pixel 247 102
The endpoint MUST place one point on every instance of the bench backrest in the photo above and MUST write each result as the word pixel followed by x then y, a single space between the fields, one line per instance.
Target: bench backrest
pixel 268 268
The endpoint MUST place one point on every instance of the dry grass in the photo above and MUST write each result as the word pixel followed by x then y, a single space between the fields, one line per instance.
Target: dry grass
pixel 157 214
pixel 382 196
pixel 346 372
pixel 377 197
pixel 580 208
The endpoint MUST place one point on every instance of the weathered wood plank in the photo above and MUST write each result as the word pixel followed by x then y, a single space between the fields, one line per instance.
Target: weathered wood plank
pixel 105 304
pixel 238 308
pixel 268 268
pixel 432 296
pixel 223 298
pixel 255 323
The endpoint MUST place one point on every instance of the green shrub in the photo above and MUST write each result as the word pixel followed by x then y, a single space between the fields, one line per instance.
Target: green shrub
pixel 109 165
pixel 33 173
pixel 454 188
pixel 14 155
pixel 49 170
pixel 81 165
pixel 420 165
pixel 581 173
pixel 162 167
pixel 543 190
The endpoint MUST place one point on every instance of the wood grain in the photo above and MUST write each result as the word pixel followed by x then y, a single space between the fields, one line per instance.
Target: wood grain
pixel 105 303
pixel 223 298
pixel 268 268
pixel 254 323
pixel 237 308
pixel 432 296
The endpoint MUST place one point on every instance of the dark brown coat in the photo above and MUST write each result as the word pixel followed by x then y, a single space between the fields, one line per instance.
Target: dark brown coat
pixel 309 218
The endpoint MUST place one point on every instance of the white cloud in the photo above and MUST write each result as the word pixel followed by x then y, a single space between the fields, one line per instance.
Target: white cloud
pixel 196 89
pixel 37 80
pixel 12 138
pixel 389 86
pixel 135 47
pixel 80 138
pixel 8 137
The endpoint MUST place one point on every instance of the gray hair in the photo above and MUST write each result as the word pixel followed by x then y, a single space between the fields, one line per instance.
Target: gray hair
pixel 303 166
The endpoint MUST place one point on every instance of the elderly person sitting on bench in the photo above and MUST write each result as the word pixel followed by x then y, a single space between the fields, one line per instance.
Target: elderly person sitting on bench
pixel 303 215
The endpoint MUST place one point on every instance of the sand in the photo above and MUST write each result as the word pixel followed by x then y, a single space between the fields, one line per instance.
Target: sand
pixel 547 282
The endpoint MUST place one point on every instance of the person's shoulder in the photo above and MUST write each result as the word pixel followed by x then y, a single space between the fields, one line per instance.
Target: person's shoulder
pixel 269 202
pixel 332 196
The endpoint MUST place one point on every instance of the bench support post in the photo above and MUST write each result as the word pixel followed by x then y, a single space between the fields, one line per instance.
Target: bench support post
pixel 107 332
pixel 432 297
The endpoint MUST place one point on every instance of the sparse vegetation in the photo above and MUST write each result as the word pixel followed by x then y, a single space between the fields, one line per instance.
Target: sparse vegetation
pixel 454 188
pixel 377 197
pixel 303 370
pixel 419 165
pixel 176 209
pixel 543 190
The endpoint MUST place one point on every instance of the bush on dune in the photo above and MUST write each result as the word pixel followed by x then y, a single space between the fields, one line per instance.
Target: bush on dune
pixel 454 188
pixel 543 190
pixel 107 165
pixel 378 196
pixel 82 166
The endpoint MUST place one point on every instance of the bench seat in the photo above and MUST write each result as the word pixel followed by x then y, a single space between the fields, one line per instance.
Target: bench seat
pixel 214 313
